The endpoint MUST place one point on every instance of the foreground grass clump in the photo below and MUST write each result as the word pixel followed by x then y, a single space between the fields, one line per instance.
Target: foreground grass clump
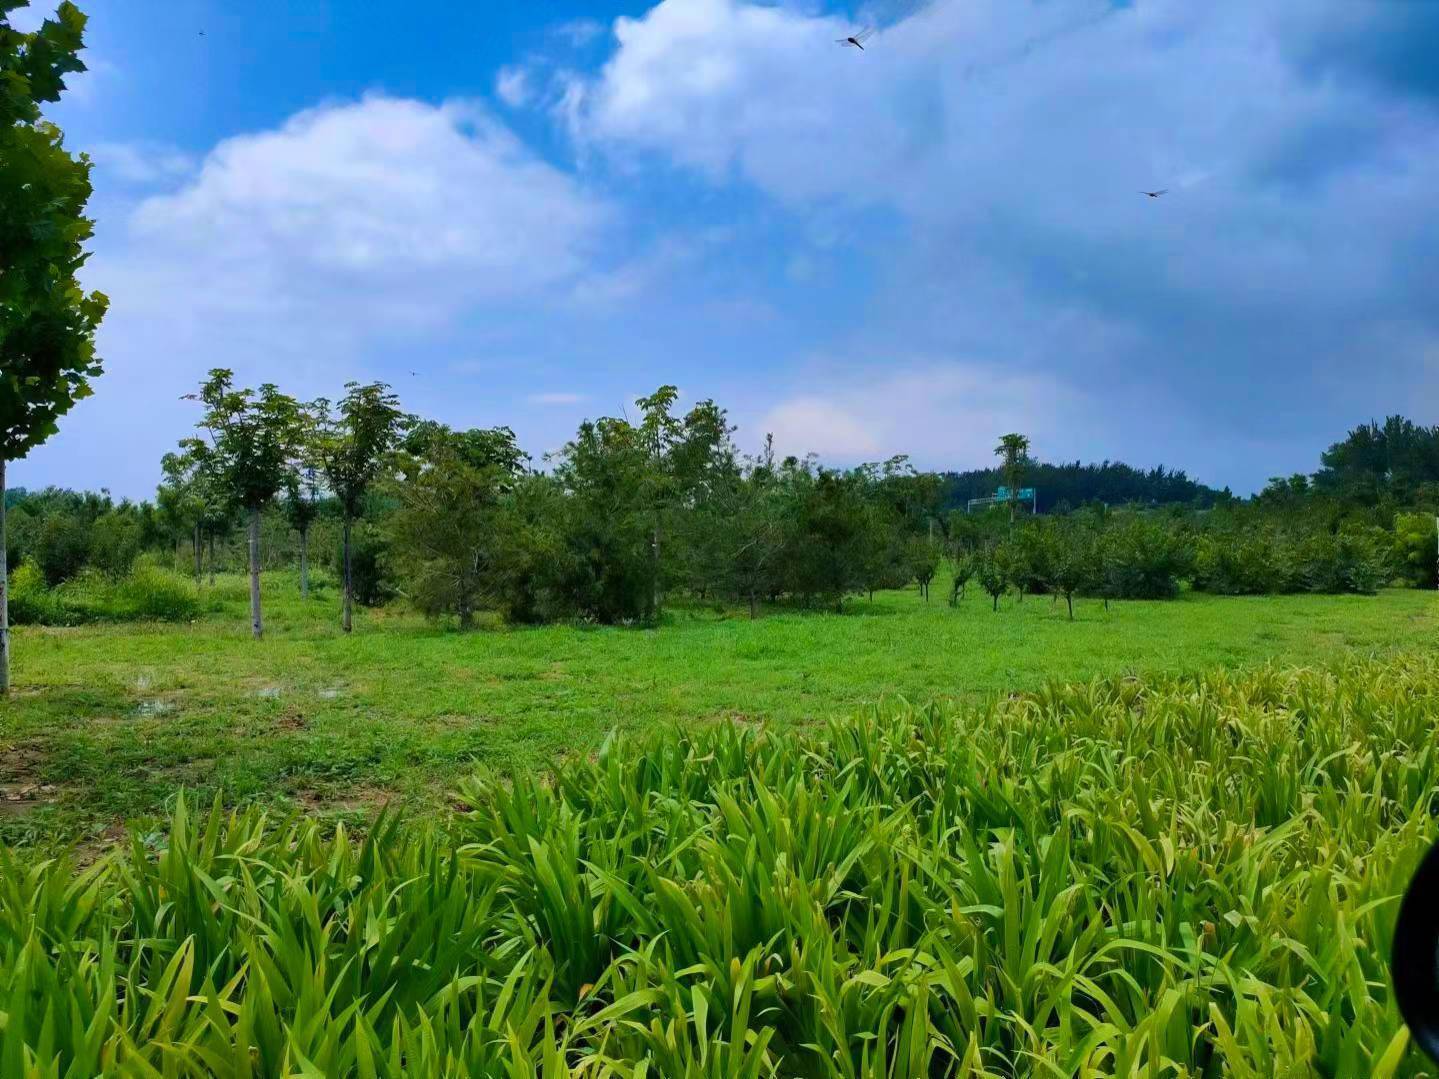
pixel 1180 876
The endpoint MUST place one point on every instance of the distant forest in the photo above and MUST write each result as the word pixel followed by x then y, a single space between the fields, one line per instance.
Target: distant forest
pixel 1060 488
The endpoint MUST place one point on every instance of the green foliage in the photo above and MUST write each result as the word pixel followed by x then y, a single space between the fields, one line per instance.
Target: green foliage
pixel 1416 538
pixel 1140 557
pixel 371 579
pixel 1013 452
pixel 443 531
pixel 1073 557
pixel 991 569
pixel 61 547
pixel 146 593
pixel 1398 457
pixel 1274 561
pixel 115 543
pixel 1062 488
pixel 1187 875
pixel 963 566
pixel 921 561
pixel 254 437
pixel 31 600
pixel 47 322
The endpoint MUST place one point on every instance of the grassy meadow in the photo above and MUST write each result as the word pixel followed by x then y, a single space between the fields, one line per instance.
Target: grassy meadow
pixel 108 721
pixel 1172 876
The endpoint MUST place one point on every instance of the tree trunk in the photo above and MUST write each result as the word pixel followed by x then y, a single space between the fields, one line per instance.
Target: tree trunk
pixel 198 546
pixel 257 625
pixel 1106 603
pixel 4 594
pixel 655 574
pixel 996 601
pixel 212 560
pixel 305 562
pixel 1069 599
pixel 347 612
pixel 753 606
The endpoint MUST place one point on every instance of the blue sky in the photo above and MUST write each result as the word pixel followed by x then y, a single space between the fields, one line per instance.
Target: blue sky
pixel 530 213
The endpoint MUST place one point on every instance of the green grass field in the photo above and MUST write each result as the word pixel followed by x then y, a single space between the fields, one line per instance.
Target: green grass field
pixel 107 722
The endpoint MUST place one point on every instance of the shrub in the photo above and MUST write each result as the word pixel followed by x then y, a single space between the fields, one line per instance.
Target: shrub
pixel 1415 549
pixel 1141 558
pixel 368 576
pixel 1247 563
pixel 1171 876
pixel 61 546
pixel 1350 561
pixel 151 594
pixel 1267 561
pixel 114 543
pixel 146 594
pixel 31 602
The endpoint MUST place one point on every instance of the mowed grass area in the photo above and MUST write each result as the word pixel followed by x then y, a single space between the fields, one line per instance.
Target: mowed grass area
pixel 107 722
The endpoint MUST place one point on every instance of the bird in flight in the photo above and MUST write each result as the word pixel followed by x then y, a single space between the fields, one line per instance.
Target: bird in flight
pixel 856 40
pixel 1155 194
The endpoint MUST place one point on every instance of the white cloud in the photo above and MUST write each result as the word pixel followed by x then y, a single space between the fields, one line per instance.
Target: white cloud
pixel 817 425
pixel 579 32
pixel 142 162
pixel 358 240
pixel 512 85
pixel 384 211
pixel 943 414
pixel 555 398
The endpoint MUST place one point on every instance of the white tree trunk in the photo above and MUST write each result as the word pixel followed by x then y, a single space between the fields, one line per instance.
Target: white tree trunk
pixel 305 564
pixel 348 608
pixel 257 625
pixel 4 594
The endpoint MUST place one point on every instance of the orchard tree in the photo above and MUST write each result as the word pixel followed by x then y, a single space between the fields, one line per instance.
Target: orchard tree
pixel 964 564
pixel 1013 454
pixel 444 530
pixel 352 448
pixel 1073 562
pixel 254 438
pixel 755 521
pixel 992 571
pixel 921 557
pixel 47 321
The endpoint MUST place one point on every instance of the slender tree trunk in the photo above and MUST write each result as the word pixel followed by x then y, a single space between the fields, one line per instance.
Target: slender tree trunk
pixel 347 612
pixel 1069 599
pixel 996 601
pixel 655 573
pixel 4 594
pixel 199 548
pixel 212 559
pixel 257 625
pixel 753 606
pixel 305 562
